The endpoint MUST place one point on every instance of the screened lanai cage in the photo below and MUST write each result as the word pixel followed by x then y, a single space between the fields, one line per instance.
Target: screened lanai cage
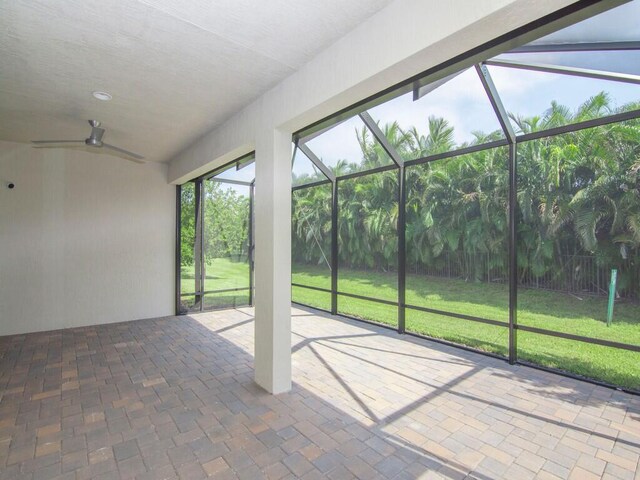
pixel 489 204
pixel 215 239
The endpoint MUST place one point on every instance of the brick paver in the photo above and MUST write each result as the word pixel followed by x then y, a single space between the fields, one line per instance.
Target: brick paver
pixel 174 397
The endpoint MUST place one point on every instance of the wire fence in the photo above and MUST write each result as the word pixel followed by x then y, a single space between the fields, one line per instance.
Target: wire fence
pixel 576 274
pixel 478 267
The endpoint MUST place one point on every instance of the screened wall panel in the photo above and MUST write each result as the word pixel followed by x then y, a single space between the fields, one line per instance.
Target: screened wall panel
pixel 368 243
pixel 508 250
pixel 349 147
pixel 218 300
pixel 579 205
pixel 311 298
pixel 311 245
pixel 546 100
pixel 215 237
pixel 190 264
pixel 611 365
pixel 485 337
pixel 452 113
pixel 189 303
pixel 368 310
pixel 457 228
pixel 226 243
pixel 304 171
pixel 457 249
pixel 241 171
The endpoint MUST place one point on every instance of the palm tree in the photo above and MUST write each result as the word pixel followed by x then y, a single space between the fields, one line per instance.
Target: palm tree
pixel 311 225
pixel 438 140
pixel 578 194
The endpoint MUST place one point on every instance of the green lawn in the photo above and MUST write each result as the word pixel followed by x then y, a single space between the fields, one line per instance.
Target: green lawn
pixel 549 310
pixel 220 274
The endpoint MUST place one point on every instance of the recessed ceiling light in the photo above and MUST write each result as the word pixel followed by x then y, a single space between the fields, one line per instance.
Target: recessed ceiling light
pixel 104 96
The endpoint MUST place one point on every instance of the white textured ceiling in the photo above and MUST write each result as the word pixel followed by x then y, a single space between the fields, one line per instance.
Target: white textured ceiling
pixel 175 68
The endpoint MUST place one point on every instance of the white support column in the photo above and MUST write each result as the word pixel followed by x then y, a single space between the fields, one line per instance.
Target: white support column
pixel 272 361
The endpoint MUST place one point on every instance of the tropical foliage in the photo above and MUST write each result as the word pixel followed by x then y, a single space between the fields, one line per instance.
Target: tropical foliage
pixel 578 197
pixel 187 223
pixel 226 222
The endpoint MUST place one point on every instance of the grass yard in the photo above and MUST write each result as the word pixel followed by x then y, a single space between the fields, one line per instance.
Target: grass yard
pixel 538 308
pixel 220 274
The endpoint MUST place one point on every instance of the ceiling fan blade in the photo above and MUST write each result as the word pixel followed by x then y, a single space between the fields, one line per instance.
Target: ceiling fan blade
pixel 134 156
pixel 42 142
pixel 67 147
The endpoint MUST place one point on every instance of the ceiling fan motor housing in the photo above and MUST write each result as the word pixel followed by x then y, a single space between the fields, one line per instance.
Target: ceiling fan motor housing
pixel 95 139
pixel 93 142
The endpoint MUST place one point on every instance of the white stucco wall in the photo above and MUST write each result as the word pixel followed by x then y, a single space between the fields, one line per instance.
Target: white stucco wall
pixel 84 239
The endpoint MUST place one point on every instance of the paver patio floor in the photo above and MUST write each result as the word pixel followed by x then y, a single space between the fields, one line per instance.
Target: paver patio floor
pixel 174 397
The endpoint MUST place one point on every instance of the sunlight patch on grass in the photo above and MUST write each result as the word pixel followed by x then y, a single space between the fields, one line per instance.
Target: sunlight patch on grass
pixel 221 273
pixel 553 311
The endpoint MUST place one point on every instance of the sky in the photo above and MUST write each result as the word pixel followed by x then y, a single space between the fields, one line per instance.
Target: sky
pixel 245 174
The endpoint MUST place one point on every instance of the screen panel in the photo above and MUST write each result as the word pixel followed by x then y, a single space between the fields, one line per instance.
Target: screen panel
pixel 311 245
pixel 597 362
pixel 579 212
pixel 349 147
pixel 226 242
pixel 304 171
pixel 457 250
pixel 368 245
pixel 452 113
pixel 538 101
pixel 311 298
pixel 480 336
pixel 190 279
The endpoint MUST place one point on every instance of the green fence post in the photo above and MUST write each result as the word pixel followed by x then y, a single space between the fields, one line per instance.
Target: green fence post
pixel 612 296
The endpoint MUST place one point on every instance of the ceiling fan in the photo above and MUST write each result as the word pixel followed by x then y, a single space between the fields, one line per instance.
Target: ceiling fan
pixel 94 140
